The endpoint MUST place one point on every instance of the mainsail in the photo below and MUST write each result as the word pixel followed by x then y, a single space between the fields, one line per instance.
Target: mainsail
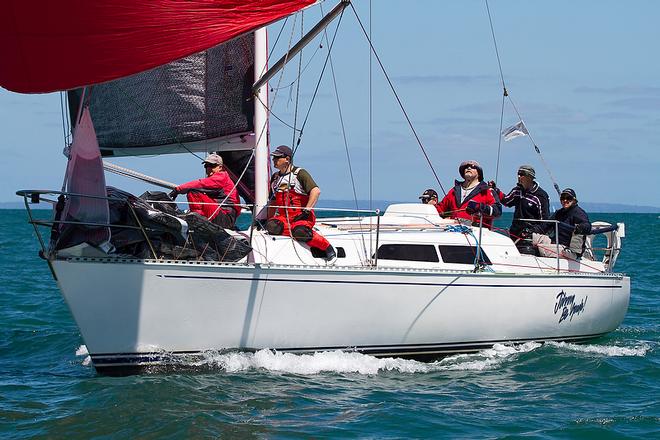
pixel 67 44
pixel 198 103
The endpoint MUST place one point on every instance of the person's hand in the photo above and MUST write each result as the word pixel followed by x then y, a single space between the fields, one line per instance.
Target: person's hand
pixel 577 230
pixel 477 208
pixel 173 194
pixel 472 207
pixel 304 215
pixel 492 184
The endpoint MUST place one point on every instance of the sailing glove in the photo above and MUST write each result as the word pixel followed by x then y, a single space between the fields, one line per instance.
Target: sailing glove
pixel 304 215
pixel 475 208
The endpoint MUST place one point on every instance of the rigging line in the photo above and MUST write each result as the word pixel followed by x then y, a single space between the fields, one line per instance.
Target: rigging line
pixel 343 131
pixel 505 95
pixel 295 122
pixel 412 128
pixel 504 91
pixel 537 149
pixel 497 52
pixel 371 121
pixel 64 119
pixel 371 131
pixel 318 83
pixel 270 112
pixel 499 139
pixel 281 73
pixel 341 121
pixel 303 70
pixel 270 52
pixel 234 188
pixel 300 59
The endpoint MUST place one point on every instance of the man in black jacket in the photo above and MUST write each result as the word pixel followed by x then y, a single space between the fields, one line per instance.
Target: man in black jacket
pixel 573 226
pixel 530 202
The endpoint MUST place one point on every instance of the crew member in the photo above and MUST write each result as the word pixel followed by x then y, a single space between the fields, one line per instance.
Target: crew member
pixel 573 227
pixel 215 197
pixel 472 198
pixel 530 202
pixel 429 197
pixel 294 189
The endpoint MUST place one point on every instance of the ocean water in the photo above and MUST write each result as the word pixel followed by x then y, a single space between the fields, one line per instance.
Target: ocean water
pixel 608 388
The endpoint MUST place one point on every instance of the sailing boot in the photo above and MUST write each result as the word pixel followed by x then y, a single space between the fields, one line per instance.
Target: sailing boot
pixel 330 254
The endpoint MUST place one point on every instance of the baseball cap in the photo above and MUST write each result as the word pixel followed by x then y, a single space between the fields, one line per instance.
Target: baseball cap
pixel 214 159
pixel 282 151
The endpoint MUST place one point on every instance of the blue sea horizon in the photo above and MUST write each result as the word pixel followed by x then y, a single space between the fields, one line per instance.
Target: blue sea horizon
pixel 603 389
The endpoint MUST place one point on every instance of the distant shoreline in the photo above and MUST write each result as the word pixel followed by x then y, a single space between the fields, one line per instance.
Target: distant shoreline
pixel 609 208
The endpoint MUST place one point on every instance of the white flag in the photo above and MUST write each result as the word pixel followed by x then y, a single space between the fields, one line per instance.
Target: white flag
pixel 514 131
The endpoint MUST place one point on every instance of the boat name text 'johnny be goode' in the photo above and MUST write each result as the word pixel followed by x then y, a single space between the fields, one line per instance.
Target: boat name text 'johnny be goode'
pixel 568 307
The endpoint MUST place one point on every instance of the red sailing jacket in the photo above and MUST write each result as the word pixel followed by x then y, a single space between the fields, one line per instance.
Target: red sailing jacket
pixel 209 207
pixel 451 205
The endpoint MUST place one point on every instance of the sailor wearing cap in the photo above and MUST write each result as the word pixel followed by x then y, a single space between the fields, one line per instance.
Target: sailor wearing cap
pixel 573 227
pixel 472 198
pixel 529 201
pixel 429 197
pixel 295 194
pixel 215 197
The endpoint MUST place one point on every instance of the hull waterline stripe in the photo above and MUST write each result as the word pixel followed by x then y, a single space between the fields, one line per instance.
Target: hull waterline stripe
pixel 118 359
pixel 383 283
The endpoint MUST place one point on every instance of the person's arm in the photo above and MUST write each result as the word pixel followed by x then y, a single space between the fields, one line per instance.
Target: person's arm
pixel 205 183
pixel 445 204
pixel 310 187
pixel 496 206
pixel 544 201
pixel 582 223
pixel 313 197
pixel 512 198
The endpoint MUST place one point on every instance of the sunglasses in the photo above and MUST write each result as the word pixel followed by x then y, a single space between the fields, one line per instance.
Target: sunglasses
pixel 467 167
pixel 566 199
pixel 210 165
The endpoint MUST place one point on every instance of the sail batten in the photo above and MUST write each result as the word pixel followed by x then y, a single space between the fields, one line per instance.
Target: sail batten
pixel 50 46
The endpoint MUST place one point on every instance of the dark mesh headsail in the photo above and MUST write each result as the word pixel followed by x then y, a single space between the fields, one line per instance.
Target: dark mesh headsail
pixel 202 100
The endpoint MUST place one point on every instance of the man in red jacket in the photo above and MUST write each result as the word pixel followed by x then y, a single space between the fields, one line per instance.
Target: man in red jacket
pixel 215 197
pixel 472 198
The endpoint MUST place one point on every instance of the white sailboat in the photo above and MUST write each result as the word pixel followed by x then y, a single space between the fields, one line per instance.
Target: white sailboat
pixel 405 283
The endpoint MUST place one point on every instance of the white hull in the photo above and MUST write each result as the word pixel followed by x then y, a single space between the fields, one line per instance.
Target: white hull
pixel 128 310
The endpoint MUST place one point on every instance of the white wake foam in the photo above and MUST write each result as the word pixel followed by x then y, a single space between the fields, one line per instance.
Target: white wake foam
pixel 352 362
pixel 82 351
pixel 607 350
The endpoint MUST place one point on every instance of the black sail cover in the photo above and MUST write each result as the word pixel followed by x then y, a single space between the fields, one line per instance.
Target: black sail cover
pixel 199 103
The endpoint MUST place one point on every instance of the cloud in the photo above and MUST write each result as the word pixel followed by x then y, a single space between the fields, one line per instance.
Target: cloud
pixel 449 120
pixel 615 115
pixel 531 112
pixel 443 79
pixel 621 90
pixel 637 103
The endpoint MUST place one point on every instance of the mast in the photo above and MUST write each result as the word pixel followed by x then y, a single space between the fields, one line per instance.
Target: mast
pixel 260 124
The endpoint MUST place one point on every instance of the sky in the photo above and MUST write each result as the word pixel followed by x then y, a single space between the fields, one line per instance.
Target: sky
pixel 585 77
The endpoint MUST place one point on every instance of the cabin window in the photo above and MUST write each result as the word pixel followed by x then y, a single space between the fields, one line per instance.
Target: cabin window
pixel 318 253
pixel 408 252
pixel 461 254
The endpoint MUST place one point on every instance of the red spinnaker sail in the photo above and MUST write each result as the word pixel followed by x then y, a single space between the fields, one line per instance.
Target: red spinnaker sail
pixel 48 45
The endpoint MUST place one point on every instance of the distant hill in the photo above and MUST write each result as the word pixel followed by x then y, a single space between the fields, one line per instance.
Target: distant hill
pixel 382 204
